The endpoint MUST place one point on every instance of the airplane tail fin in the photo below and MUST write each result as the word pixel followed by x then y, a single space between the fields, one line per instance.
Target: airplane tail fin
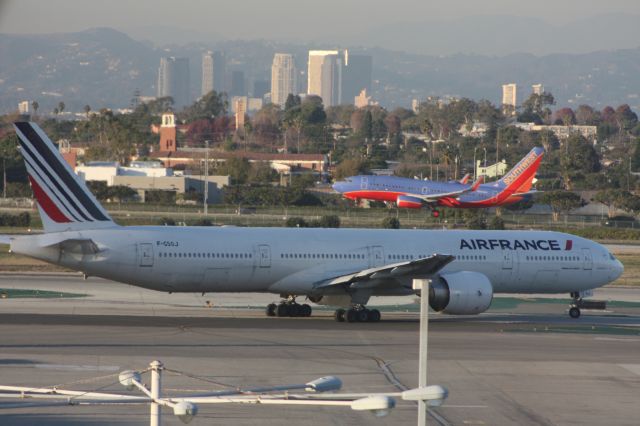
pixel 477 183
pixel 64 201
pixel 520 178
pixel 465 179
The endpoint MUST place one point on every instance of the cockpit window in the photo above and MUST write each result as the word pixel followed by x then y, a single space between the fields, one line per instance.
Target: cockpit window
pixel 612 257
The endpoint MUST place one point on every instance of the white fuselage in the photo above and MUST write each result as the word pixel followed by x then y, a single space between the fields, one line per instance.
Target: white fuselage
pixel 293 260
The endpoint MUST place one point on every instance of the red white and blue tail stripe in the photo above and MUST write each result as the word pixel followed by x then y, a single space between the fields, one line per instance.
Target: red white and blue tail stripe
pixel 64 201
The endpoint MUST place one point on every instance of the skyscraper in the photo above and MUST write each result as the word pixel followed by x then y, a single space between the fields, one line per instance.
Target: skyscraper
pixel 356 76
pixel 237 84
pixel 324 76
pixel 213 72
pixel 173 80
pixel 283 78
pixel 509 98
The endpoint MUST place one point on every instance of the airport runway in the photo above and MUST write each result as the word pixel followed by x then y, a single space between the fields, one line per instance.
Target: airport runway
pixel 517 365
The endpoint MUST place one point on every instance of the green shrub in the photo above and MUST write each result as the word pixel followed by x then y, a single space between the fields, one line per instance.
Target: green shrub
pixel 391 223
pixel 296 222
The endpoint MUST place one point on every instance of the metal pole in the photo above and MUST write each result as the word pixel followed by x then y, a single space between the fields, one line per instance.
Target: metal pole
pixel 423 286
pixel 156 383
pixel 4 178
pixel 206 179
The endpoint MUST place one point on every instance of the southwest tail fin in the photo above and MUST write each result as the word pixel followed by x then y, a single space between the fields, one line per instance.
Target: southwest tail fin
pixel 465 179
pixel 477 183
pixel 64 201
pixel 520 178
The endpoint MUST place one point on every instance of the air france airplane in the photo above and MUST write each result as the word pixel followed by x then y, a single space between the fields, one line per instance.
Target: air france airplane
pixel 339 267
pixel 414 194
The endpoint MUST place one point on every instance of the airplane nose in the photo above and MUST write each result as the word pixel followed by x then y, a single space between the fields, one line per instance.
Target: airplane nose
pixel 618 268
pixel 338 186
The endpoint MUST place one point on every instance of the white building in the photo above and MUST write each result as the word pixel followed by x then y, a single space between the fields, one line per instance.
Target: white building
pixel 107 171
pixel 324 76
pixel 509 98
pixel 24 107
pixel 537 89
pixel 283 78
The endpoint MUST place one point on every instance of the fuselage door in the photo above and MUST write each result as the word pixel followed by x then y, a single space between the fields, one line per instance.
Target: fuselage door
pixel 507 259
pixel 587 260
pixel 264 254
pixel 376 256
pixel 364 182
pixel 145 254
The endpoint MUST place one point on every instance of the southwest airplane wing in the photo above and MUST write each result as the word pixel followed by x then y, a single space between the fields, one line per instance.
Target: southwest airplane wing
pixel 420 267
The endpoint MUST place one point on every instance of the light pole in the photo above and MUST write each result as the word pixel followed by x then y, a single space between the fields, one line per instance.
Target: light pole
pixel 422 285
pixel 206 178
pixel 475 168
pixel 485 156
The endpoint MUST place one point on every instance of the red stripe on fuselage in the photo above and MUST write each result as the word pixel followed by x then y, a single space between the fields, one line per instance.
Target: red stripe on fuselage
pixel 47 205
pixel 374 195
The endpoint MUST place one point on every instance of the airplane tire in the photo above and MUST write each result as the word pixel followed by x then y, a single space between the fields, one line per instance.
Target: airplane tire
pixel 574 312
pixel 305 310
pixel 283 310
pixel 352 315
pixel 271 309
pixel 339 315
pixel 363 315
pixel 374 315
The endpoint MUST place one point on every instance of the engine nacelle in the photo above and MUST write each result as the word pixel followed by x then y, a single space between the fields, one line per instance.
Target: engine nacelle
pixel 461 293
pixel 407 202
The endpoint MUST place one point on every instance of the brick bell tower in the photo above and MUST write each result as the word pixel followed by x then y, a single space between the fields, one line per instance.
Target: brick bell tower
pixel 168 133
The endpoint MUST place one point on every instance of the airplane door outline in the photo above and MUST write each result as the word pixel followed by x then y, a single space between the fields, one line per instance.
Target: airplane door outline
pixel 264 254
pixel 587 259
pixel 364 183
pixel 507 259
pixel 376 256
pixel 145 254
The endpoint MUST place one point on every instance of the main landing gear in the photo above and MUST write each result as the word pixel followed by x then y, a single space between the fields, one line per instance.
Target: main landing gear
pixel 288 308
pixel 358 313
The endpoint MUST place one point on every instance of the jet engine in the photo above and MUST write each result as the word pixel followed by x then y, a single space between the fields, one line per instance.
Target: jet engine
pixel 408 202
pixel 461 293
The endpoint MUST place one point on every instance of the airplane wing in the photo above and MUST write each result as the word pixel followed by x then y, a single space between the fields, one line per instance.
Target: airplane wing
pixel 426 266
pixel 5 239
pixel 435 197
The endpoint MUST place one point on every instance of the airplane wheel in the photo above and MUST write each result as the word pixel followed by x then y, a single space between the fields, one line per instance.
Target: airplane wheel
pixel 574 312
pixel 363 315
pixel 352 315
pixel 283 310
pixel 271 309
pixel 305 310
pixel 339 315
pixel 374 315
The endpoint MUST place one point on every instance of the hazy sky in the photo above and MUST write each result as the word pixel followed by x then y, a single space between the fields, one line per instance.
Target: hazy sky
pixel 281 19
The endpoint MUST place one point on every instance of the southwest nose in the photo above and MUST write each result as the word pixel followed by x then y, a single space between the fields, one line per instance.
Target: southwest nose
pixel 338 187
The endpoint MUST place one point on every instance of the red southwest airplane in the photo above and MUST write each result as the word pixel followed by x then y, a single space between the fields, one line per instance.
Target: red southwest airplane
pixel 414 194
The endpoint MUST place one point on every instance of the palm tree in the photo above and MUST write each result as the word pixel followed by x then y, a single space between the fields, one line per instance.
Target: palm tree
pixel 61 106
pixel 87 110
pixel 35 105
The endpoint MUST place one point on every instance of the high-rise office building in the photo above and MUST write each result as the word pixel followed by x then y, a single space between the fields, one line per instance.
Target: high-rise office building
pixel 213 72
pixel 237 84
pixel 283 78
pixel 356 76
pixel 509 98
pixel 324 76
pixel 173 80
pixel 260 88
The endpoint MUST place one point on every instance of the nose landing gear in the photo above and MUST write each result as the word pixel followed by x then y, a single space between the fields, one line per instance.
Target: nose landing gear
pixel 579 303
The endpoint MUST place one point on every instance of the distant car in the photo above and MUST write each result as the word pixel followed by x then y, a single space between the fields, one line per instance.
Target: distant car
pixel 622 222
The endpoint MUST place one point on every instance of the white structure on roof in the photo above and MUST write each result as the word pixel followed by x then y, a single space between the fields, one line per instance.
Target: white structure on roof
pixel 107 171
